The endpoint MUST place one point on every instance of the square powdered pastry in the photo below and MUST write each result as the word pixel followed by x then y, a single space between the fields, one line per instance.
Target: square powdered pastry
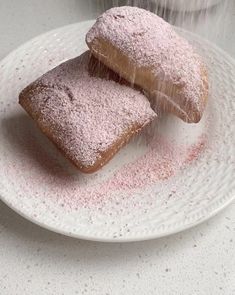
pixel 88 118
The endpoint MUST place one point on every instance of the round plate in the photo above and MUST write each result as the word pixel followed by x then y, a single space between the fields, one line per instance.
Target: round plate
pixel 172 177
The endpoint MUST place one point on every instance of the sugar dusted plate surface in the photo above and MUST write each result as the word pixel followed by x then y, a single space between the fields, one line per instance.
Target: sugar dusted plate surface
pixel 172 177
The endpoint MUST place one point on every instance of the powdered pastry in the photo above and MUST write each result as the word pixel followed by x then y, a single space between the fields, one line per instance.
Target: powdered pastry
pixel 88 118
pixel 145 50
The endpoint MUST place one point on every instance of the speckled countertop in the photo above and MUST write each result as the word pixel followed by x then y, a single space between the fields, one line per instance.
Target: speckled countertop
pixel 36 261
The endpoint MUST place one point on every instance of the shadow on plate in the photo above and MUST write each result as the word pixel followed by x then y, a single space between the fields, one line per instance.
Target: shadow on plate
pixel 31 146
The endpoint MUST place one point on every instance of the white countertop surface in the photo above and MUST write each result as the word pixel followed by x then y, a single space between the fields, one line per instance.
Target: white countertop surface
pixel 35 261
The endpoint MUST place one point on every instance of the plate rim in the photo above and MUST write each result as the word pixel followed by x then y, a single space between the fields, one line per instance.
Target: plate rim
pixel 136 238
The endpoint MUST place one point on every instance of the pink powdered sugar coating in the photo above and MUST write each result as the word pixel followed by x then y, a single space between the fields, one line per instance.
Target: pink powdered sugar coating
pixel 150 42
pixel 196 149
pixel 162 160
pixel 159 163
pixel 87 114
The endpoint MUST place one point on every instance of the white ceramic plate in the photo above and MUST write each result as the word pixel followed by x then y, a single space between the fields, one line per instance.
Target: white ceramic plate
pixel 191 176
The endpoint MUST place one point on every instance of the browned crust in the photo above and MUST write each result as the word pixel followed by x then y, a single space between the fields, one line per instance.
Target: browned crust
pixel 105 157
pixel 113 58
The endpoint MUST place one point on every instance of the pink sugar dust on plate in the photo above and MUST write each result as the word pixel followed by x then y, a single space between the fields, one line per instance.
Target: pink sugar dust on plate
pixel 44 173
